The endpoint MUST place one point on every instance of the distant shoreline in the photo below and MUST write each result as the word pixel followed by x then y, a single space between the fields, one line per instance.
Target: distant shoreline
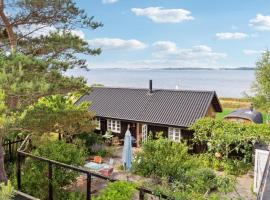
pixel 172 68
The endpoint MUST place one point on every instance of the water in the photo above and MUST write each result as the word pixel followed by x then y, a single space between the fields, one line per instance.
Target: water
pixel 227 83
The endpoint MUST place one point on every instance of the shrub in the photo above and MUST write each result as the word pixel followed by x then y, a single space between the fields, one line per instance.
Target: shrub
pixel 233 142
pixel 164 158
pixel 119 190
pixel 182 176
pixel 35 173
pixel 90 139
pixel 6 191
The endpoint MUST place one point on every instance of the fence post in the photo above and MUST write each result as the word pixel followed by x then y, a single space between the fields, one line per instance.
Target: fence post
pixel 88 197
pixel 19 183
pixel 10 151
pixel 141 195
pixel 50 181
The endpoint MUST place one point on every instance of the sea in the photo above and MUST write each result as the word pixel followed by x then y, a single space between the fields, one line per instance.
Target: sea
pixel 232 83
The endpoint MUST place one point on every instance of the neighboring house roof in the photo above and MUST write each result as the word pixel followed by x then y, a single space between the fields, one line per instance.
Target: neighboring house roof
pixel 167 107
pixel 248 114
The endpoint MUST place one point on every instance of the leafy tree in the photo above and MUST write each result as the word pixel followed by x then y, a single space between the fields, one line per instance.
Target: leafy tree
pixel 56 114
pixel 34 66
pixel 230 143
pixel 261 86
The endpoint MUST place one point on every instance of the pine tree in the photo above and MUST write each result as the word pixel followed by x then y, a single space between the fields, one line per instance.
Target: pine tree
pixel 31 63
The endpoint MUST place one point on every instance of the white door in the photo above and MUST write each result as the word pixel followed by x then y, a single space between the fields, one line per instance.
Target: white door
pixel 260 162
pixel 144 133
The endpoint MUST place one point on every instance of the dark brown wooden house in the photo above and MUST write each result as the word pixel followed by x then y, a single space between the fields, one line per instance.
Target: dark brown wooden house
pixel 148 110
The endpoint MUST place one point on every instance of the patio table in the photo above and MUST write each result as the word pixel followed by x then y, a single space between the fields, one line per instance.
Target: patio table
pixel 103 168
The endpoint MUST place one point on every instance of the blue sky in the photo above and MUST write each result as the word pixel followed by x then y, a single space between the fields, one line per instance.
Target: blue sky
pixel 178 33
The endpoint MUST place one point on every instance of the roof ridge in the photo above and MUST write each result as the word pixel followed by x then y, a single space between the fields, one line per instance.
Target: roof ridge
pixel 157 89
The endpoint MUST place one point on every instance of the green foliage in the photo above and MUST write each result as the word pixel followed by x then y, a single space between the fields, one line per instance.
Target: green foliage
pixel 231 166
pixel 91 139
pixel 182 176
pixel 57 114
pixel 163 158
pixel 232 141
pixel 21 31
pixel 24 79
pixel 6 191
pixel 261 86
pixel 35 173
pixel 119 190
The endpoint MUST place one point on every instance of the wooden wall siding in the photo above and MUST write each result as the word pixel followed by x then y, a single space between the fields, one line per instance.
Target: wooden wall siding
pixel 211 112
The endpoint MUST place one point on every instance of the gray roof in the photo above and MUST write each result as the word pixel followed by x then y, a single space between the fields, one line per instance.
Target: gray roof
pixel 248 114
pixel 167 107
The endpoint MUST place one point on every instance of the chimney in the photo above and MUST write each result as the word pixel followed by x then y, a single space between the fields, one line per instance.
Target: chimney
pixel 150 86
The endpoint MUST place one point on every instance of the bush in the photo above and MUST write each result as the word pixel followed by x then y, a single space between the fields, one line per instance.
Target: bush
pixel 119 190
pixel 6 191
pixel 232 142
pixel 164 158
pixel 94 144
pixel 35 173
pixel 182 176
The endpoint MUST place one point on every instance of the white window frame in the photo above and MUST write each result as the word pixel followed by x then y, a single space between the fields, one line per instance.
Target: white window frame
pixel 174 134
pixel 144 133
pixel 114 125
pixel 98 123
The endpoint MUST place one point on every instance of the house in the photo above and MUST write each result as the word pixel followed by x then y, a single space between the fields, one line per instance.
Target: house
pixel 248 115
pixel 146 110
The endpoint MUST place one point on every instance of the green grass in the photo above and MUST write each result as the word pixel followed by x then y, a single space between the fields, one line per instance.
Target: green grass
pixel 225 112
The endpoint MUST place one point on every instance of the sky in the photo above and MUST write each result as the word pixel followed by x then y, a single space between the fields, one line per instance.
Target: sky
pixel 177 33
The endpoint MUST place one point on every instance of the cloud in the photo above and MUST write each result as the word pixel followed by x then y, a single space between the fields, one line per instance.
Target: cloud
pixel 117 44
pixel 231 36
pixel 109 1
pixel 261 22
pixel 160 15
pixel 252 52
pixel 168 49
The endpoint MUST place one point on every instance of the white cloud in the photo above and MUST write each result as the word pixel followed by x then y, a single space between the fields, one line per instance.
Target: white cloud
pixel 231 36
pixel 160 15
pixel 261 22
pixel 168 49
pixel 109 1
pixel 168 54
pixel 252 52
pixel 117 44
pixel 165 46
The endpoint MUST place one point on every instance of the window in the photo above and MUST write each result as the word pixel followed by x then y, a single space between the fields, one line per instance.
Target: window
pixel 174 134
pixel 114 125
pixel 97 122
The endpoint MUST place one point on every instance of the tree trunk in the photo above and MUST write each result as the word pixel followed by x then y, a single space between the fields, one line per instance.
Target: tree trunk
pixel 9 28
pixel 3 175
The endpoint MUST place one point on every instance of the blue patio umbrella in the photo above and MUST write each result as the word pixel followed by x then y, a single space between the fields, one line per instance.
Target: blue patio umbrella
pixel 127 151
